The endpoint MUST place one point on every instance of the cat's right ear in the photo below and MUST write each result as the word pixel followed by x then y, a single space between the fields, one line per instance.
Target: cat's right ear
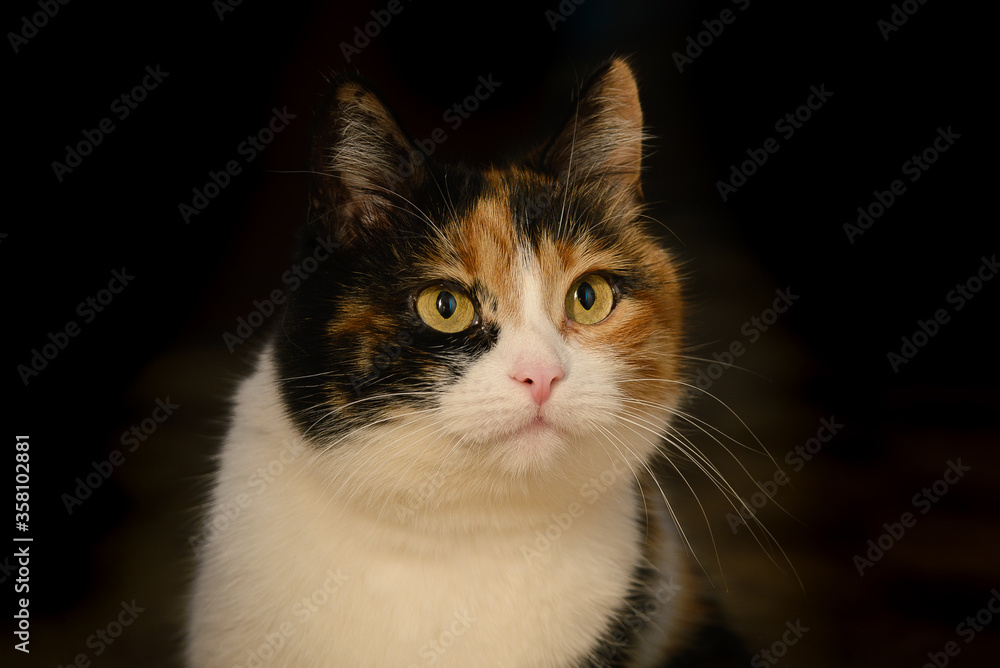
pixel 362 164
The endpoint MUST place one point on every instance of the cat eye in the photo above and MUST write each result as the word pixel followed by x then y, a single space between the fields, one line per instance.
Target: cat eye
pixel 446 308
pixel 590 300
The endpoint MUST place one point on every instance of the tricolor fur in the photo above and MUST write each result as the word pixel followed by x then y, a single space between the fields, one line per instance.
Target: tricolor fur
pixel 412 497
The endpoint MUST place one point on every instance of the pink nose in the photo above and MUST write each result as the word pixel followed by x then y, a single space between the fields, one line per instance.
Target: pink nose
pixel 539 380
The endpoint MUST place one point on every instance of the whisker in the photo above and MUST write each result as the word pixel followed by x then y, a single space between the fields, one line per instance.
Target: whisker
pixel 694 455
pixel 706 392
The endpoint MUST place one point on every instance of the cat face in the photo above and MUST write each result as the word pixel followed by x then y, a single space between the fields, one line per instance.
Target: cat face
pixel 510 324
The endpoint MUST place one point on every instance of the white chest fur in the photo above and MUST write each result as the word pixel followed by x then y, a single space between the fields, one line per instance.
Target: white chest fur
pixel 303 577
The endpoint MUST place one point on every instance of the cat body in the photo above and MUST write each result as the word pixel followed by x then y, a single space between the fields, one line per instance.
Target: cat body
pixel 444 455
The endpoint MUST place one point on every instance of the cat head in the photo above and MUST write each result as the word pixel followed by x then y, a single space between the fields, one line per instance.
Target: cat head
pixel 507 327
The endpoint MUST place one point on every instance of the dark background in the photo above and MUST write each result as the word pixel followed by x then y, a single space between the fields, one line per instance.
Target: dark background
pixel 161 337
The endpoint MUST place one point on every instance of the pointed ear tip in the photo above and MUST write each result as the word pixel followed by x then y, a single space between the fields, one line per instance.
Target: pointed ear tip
pixel 347 88
pixel 618 67
pixel 621 64
pixel 615 80
pixel 619 80
pixel 621 74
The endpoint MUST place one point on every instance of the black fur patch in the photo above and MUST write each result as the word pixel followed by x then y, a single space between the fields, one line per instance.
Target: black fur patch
pixel 349 345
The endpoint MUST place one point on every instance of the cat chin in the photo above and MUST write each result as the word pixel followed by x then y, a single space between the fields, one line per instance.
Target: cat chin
pixel 533 447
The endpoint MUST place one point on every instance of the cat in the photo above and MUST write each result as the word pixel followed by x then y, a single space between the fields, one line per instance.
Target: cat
pixel 444 454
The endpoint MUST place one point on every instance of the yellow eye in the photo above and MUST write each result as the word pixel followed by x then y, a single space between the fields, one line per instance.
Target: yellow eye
pixel 446 309
pixel 590 300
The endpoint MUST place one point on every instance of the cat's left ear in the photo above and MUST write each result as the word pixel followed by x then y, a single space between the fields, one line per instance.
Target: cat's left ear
pixel 601 143
pixel 363 164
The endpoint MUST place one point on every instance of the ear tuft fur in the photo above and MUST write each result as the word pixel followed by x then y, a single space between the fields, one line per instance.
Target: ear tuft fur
pixel 362 162
pixel 601 143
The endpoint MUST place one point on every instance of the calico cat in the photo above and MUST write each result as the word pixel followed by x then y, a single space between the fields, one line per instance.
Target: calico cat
pixel 444 454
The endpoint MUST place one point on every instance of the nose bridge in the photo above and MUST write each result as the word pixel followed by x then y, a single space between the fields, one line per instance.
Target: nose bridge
pixel 533 345
pixel 534 338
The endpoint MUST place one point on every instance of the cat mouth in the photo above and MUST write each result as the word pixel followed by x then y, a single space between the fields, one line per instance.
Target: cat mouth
pixel 535 429
pixel 537 424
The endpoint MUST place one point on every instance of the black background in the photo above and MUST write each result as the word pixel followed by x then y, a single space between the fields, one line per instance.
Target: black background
pixel 162 336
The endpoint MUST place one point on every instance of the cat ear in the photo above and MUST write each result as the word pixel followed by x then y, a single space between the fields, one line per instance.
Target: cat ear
pixel 362 163
pixel 601 143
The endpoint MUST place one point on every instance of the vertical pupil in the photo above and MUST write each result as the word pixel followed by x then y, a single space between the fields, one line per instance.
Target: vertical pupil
pixel 586 296
pixel 446 304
